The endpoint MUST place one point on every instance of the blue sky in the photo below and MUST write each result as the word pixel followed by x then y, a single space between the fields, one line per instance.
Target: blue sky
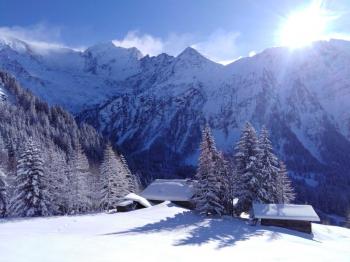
pixel 221 29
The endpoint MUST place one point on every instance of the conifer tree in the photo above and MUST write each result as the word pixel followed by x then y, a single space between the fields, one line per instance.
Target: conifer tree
pixel 269 168
pixel 123 175
pixel 226 184
pixel 128 176
pixel 113 187
pixel 58 183
pixel 3 153
pixel 30 197
pixel 3 195
pixel 285 192
pixel 80 192
pixel 207 195
pixel 247 168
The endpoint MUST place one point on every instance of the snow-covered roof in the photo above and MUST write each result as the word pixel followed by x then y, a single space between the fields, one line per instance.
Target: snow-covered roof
pixel 141 200
pixel 169 189
pixel 124 203
pixel 285 211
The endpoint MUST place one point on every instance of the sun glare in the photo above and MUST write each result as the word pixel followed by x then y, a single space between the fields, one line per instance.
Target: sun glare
pixel 304 27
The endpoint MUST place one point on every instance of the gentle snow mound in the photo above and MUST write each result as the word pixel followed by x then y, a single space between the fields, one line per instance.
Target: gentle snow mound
pixel 163 232
pixel 139 199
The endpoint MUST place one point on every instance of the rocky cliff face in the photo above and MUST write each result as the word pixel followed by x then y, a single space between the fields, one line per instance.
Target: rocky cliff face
pixel 164 106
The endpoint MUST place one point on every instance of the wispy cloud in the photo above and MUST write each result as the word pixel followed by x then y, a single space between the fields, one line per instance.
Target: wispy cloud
pixel 220 46
pixel 173 44
pixel 39 34
pixel 146 43
pixel 252 53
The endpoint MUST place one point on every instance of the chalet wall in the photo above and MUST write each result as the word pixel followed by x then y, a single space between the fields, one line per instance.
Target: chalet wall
pixel 302 226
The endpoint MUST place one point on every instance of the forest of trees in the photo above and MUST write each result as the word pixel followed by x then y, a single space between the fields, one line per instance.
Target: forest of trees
pixel 255 175
pixel 50 165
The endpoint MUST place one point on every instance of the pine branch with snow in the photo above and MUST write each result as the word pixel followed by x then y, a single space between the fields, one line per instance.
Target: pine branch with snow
pixel 137 183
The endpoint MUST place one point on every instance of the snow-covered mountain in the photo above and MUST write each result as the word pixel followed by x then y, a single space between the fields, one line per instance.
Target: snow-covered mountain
pixel 154 107
pixel 69 77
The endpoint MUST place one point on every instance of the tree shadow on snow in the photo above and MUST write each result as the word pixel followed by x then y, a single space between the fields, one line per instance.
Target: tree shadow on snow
pixel 199 229
pixel 224 231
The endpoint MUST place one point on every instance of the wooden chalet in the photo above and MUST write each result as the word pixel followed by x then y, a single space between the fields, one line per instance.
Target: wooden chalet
pixel 177 191
pixel 295 217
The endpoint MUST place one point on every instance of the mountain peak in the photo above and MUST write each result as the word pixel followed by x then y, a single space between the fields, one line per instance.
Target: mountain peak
pixel 102 47
pixel 13 43
pixel 193 57
pixel 190 52
pixel 110 48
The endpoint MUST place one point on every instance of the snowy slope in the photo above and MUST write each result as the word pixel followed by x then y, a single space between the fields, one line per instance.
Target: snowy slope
pixel 164 233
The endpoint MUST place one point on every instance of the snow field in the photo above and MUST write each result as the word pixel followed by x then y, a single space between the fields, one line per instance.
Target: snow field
pixel 163 233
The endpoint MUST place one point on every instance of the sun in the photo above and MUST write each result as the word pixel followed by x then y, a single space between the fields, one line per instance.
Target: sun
pixel 304 27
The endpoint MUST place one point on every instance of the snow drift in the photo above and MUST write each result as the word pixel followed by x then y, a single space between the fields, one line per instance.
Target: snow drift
pixel 164 232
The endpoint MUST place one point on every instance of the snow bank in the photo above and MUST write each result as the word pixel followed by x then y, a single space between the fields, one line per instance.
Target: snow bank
pixel 163 232
pixel 139 199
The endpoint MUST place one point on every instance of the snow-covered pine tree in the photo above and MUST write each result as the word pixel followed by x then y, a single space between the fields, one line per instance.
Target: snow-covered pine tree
pixel 269 168
pixel 58 184
pixel 226 184
pixel 247 167
pixel 284 189
pixel 3 195
pixel 123 177
pixel 3 153
pixel 130 179
pixel 113 186
pixel 80 192
pixel 207 190
pixel 30 197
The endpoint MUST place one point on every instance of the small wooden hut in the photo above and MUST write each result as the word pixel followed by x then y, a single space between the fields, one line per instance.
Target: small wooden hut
pixel 295 217
pixel 177 191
